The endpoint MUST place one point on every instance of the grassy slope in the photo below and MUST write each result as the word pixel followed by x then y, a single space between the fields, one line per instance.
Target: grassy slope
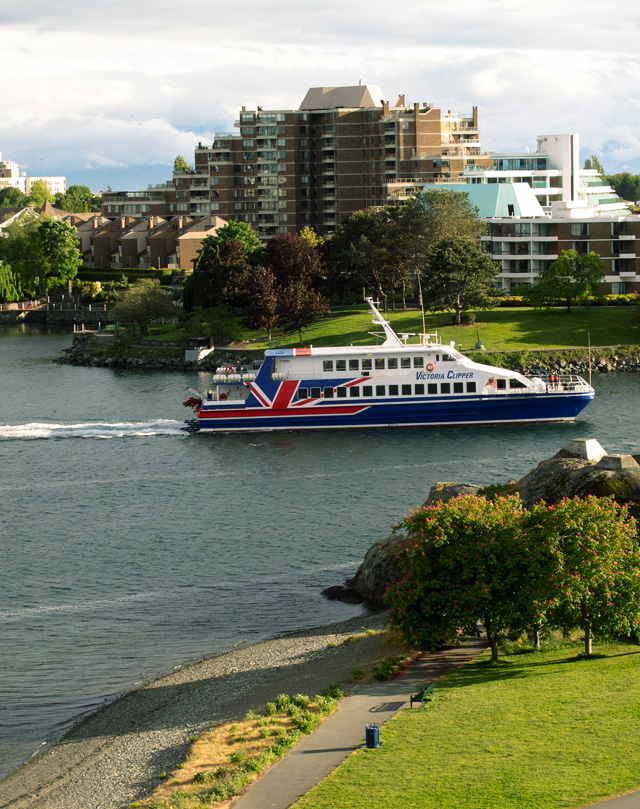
pixel 500 329
pixel 536 731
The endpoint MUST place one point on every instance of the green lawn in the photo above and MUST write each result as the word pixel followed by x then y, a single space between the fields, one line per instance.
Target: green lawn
pixel 499 329
pixel 519 329
pixel 536 731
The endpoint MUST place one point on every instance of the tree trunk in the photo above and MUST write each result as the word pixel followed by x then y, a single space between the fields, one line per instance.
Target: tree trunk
pixel 404 295
pixel 536 638
pixel 492 638
pixel 588 637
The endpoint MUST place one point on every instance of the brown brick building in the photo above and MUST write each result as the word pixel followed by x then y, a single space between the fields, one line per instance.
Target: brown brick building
pixel 344 149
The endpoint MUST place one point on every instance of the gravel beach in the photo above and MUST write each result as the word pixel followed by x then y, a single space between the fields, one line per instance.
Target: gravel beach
pixel 115 755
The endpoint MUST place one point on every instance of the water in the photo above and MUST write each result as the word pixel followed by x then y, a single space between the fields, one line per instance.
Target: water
pixel 129 547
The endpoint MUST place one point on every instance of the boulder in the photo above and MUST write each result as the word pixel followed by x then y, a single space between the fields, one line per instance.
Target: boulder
pixel 443 492
pixel 378 569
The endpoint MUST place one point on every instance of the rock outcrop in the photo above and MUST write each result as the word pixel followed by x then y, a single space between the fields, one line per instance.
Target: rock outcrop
pixel 581 468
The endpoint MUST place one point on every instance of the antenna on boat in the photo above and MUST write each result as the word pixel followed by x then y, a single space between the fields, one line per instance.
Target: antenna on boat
pixel 589 342
pixel 424 325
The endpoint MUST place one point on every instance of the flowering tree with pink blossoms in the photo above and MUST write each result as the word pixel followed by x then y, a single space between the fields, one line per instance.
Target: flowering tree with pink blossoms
pixel 468 562
pixel 597 557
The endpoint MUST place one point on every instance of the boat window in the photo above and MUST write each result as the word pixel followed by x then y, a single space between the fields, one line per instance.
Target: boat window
pixel 367 365
pixel 380 389
pixel 406 390
pixel 367 390
pixel 328 393
pixel 315 393
pixel 458 387
pixel 354 392
pixel 379 363
pixel 471 387
pixel 437 357
pixel 516 383
pixel 393 390
pixel 354 365
pixel 303 393
pixel 419 390
pixel 445 387
pixel 392 362
pixel 448 358
pixel 341 365
pixel 432 388
pixel 418 362
pixel 342 393
pixel 327 365
pixel 405 362
pixel 501 384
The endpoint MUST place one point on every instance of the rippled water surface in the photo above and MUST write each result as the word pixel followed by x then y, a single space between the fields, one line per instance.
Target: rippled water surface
pixel 129 546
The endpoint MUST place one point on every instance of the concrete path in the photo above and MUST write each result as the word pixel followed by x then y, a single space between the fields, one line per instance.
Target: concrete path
pixel 317 755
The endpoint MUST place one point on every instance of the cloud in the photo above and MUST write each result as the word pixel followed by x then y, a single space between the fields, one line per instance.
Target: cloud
pixel 128 84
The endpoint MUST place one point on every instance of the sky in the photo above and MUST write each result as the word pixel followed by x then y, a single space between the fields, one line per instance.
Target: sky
pixel 107 94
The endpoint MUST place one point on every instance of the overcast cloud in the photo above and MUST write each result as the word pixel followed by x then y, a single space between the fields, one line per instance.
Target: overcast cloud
pixel 111 93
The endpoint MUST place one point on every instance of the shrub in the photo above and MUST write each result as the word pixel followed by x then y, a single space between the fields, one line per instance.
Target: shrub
pixel 282 702
pixel 270 709
pixel 334 691
pixel 237 757
pixel 301 700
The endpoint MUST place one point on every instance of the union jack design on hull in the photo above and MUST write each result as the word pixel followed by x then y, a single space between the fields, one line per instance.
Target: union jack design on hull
pixel 396 383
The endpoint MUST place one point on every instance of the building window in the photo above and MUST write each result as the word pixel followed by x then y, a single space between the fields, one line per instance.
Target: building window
pixel 618 287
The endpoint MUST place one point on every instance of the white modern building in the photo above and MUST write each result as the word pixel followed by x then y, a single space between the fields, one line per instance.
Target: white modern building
pixel 12 177
pixel 553 172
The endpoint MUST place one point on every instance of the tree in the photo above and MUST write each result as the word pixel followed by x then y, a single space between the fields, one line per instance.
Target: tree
pixel 365 252
pixel 42 253
pixel 143 303
pixel 434 214
pixel 264 312
pixel 593 163
pixel 40 193
pixel 571 278
pixel 300 304
pixel 625 185
pixel 78 199
pixel 182 166
pixel 296 267
pixel 458 276
pixel 13 198
pixel 597 580
pixel 221 272
pixel 464 562
pixel 60 250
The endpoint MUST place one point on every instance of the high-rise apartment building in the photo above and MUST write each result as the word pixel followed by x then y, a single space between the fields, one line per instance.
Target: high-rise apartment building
pixel 344 149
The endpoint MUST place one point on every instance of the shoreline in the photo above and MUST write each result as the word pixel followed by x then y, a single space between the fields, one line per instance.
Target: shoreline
pixel 115 754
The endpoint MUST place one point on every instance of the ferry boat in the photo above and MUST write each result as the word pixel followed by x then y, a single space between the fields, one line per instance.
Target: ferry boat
pixel 396 383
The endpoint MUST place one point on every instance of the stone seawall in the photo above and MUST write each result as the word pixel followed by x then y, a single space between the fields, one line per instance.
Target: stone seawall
pixel 84 352
pixel 52 317
pixel 569 361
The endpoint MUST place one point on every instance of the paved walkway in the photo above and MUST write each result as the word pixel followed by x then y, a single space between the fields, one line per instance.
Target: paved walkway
pixel 317 755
